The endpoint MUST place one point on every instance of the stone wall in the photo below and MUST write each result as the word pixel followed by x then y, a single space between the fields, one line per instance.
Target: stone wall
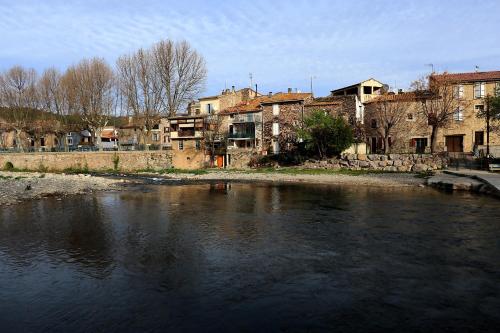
pixel 99 161
pixel 391 162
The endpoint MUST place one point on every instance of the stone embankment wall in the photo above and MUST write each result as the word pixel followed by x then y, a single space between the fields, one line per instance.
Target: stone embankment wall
pixel 391 162
pixel 94 161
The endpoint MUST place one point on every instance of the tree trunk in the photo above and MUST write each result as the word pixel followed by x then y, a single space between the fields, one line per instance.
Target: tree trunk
pixel 387 148
pixel 18 141
pixel 433 138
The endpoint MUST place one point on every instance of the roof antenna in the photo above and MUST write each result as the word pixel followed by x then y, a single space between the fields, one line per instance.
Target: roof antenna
pixel 431 66
pixel 477 68
pixel 251 80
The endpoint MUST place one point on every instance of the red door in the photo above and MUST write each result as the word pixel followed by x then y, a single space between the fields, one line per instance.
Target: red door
pixel 220 161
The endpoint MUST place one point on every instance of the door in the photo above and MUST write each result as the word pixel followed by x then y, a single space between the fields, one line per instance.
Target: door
pixel 373 145
pixel 220 161
pixel 455 143
pixel 420 145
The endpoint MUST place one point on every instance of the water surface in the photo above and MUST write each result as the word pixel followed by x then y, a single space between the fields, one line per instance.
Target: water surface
pixel 251 257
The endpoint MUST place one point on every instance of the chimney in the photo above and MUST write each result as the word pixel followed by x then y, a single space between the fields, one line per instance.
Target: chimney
pixel 270 94
pixel 289 90
pixel 232 88
pixel 256 91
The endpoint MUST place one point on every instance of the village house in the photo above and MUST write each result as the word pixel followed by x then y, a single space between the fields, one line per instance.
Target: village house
pixel 466 130
pixel 410 132
pixel 227 98
pixel 186 133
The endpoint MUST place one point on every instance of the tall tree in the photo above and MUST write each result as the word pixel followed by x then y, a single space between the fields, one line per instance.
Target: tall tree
pixel 18 94
pixel 91 93
pixel 140 85
pixel 390 112
pixel 182 71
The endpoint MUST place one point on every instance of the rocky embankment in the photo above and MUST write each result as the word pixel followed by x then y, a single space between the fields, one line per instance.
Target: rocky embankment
pixel 390 162
pixel 16 187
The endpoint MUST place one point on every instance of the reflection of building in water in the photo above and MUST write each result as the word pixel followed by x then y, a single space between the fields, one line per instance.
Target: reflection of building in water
pixel 221 187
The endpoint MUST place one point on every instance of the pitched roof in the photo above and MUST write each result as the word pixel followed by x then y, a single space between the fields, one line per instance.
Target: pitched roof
pixel 286 97
pixel 401 97
pixel 467 77
pixel 329 100
pixel 356 84
pixel 252 105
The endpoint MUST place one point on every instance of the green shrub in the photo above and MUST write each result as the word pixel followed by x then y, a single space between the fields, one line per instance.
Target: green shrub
pixel 8 166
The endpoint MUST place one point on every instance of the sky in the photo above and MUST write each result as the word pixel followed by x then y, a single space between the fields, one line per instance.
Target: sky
pixel 282 43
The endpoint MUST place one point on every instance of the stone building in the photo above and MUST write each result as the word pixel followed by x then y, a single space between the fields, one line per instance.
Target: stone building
pixel 227 98
pixel 466 130
pixel 410 132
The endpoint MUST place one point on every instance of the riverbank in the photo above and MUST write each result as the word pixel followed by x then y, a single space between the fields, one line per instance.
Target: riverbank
pixel 16 187
pixel 313 176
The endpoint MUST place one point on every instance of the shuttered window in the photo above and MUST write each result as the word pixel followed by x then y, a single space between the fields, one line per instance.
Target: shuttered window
pixel 479 88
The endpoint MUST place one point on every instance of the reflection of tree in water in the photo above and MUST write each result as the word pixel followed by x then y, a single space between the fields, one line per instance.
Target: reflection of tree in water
pixel 72 232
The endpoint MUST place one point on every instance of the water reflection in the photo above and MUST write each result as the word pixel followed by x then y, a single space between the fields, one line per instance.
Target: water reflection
pixel 251 257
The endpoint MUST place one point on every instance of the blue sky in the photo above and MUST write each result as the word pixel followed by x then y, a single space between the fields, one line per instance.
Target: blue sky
pixel 283 43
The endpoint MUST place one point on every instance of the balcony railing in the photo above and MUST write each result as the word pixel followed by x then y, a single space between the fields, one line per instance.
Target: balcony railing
pixel 246 118
pixel 242 135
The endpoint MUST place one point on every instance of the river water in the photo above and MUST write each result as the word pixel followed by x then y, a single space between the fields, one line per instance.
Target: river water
pixel 251 258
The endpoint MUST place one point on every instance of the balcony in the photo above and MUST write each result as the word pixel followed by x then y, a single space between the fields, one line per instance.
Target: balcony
pixel 242 135
pixel 186 134
pixel 245 118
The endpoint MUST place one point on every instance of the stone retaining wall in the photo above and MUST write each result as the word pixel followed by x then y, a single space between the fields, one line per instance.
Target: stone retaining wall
pixel 391 162
pixel 129 161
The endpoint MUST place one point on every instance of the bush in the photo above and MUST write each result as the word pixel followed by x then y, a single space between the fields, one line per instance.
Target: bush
pixel 8 166
pixel 325 134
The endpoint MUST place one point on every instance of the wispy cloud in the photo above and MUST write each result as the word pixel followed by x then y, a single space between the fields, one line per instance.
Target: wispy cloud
pixel 282 43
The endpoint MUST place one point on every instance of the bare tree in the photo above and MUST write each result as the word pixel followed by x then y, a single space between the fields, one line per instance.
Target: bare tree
pixel 19 96
pixel 214 135
pixel 182 71
pixel 390 112
pixel 90 89
pixel 140 85
pixel 439 102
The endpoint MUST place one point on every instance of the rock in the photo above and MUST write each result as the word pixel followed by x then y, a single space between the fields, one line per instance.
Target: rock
pixel 397 163
pixel 383 158
pixel 362 157
pixel 351 157
pixel 382 164
pixel 402 168
pixel 373 157
pixel 364 164
pixel 419 168
pixel 391 168
pixel 393 157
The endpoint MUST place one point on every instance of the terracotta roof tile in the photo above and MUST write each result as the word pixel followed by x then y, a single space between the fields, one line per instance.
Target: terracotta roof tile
pixel 467 77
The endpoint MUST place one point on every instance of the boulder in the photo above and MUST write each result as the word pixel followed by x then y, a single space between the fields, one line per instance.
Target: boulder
pixel 382 164
pixel 362 157
pixel 364 164
pixel 397 163
pixel 419 168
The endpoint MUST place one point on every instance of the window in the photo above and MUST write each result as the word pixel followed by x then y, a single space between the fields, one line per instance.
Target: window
pixel 374 123
pixel 181 145
pixel 479 108
pixel 198 144
pixel 276 129
pixel 367 90
pixel 209 108
pixel 409 117
pixel 276 110
pixel 165 129
pixel 458 115
pixel 459 91
pixel 69 141
pixel 497 89
pixel 156 137
pixel 479 89
pixel 479 138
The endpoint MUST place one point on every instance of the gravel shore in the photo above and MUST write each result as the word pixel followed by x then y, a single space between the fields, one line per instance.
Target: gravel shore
pixel 16 187
pixel 376 179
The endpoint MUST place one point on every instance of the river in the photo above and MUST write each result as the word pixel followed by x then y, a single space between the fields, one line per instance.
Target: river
pixel 250 258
